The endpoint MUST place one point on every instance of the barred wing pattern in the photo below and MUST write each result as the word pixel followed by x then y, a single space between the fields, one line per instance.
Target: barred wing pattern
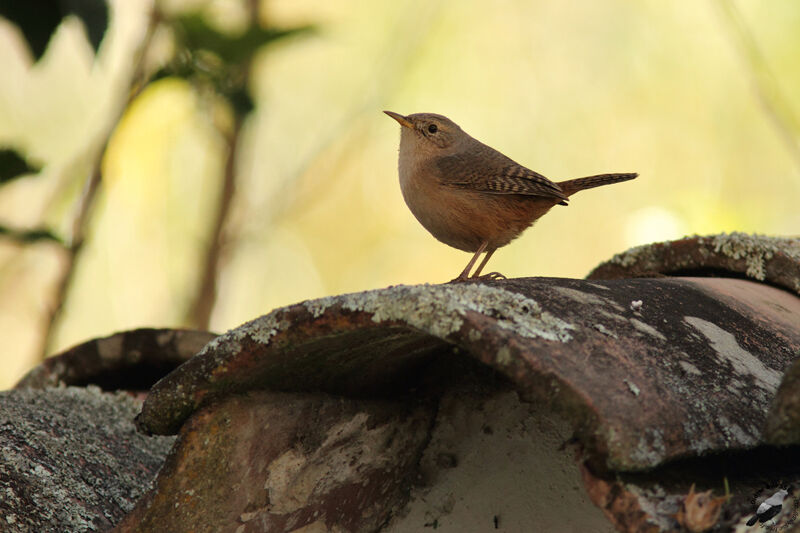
pixel 490 171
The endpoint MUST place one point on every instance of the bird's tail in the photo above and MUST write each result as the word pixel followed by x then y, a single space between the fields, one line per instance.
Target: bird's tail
pixel 570 187
pixel 753 520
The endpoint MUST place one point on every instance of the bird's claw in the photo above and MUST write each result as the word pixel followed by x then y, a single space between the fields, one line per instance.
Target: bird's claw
pixel 493 276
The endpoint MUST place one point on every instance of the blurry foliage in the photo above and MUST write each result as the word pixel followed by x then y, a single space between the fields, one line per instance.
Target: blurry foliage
pixel 212 62
pixel 30 236
pixel 194 33
pixel 777 106
pixel 210 58
pixel 316 210
pixel 13 165
pixel 218 62
pixel 39 19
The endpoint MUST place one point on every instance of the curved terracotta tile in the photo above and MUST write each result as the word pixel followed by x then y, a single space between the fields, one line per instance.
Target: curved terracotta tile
pixel 691 369
pixel 129 360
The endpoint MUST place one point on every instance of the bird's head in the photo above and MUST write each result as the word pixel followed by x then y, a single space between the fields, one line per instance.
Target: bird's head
pixel 429 133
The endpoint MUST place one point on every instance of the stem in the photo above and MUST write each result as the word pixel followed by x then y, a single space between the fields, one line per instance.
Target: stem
pixel 86 202
pixel 199 314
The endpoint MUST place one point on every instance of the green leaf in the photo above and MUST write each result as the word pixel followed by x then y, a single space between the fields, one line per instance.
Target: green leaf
pixel 94 14
pixel 13 165
pixel 38 19
pixel 211 58
pixel 29 235
pixel 236 49
pixel 255 37
pixel 241 101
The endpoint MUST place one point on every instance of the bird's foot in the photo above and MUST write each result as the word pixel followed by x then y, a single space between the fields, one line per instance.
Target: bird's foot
pixel 491 276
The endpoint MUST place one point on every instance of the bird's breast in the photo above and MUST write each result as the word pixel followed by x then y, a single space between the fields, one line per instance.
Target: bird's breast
pixel 464 218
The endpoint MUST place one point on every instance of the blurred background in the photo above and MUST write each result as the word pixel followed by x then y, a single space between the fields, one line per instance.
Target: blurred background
pixel 199 163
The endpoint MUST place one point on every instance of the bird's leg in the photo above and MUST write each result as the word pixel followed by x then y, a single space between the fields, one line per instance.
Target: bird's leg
pixel 490 275
pixel 464 276
pixel 483 263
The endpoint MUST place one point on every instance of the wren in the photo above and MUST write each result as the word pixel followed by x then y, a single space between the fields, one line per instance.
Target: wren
pixel 470 196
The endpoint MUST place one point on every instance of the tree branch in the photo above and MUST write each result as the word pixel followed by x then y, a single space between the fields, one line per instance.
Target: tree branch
pixel 199 314
pixel 86 202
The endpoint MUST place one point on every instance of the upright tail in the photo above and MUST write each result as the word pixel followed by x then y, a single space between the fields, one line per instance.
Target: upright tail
pixel 570 187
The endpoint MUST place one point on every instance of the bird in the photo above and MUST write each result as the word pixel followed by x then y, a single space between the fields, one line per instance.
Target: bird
pixel 769 508
pixel 470 196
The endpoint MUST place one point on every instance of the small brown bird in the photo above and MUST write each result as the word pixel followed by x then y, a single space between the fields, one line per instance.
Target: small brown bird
pixel 471 196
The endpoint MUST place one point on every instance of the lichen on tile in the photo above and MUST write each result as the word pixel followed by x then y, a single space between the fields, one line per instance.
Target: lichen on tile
pixel 724 250
pixel 728 349
pixel 651 448
pixel 260 330
pixel 647 329
pixel 755 249
pixel 604 330
pixel 318 307
pixel 630 257
pixel 441 309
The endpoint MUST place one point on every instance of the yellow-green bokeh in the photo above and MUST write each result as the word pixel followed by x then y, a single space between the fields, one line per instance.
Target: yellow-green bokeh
pixel 568 88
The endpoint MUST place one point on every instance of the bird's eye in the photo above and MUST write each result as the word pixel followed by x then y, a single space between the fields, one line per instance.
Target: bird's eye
pixel 432 128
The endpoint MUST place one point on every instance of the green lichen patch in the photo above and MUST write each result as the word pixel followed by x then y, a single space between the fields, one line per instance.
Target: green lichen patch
pixel 441 309
pixel 72 459
pixel 759 257
pixel 754 249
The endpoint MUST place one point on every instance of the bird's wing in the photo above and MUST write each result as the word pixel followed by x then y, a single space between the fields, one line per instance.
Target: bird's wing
pixel 763 508
pixel 491 172
pixel 769 514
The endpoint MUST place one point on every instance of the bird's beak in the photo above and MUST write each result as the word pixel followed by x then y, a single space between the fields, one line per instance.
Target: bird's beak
pixel 401 119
